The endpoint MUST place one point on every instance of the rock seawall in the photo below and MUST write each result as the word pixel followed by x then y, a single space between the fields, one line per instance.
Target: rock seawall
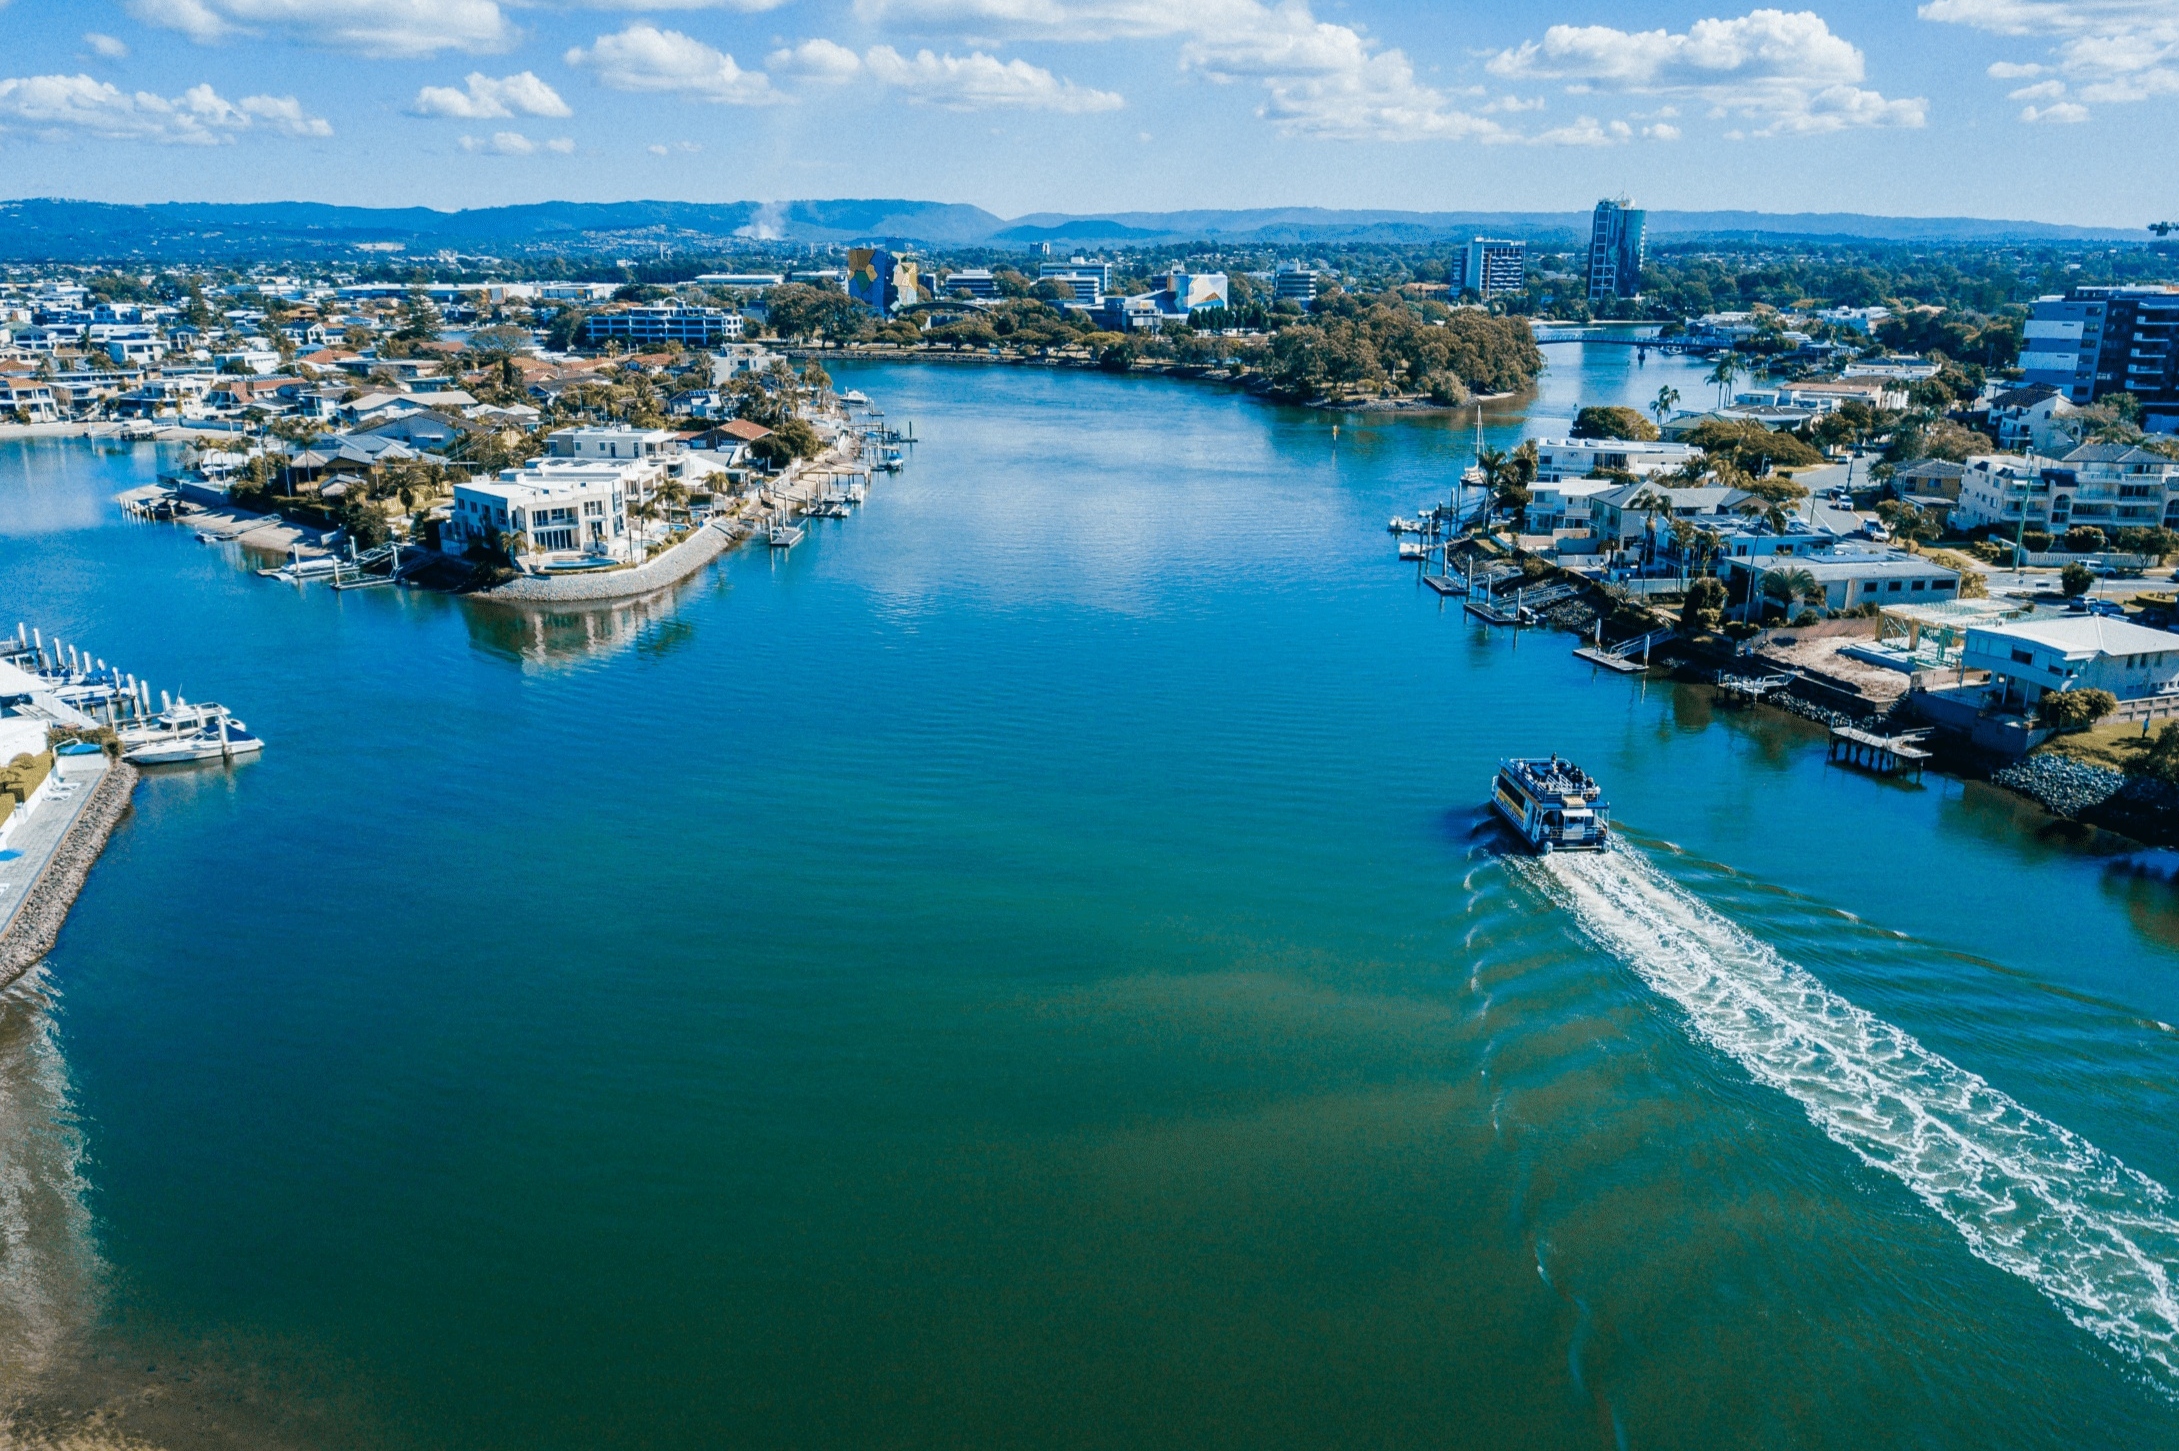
pixel 676 564
pixel 2134 806
pixel 45 906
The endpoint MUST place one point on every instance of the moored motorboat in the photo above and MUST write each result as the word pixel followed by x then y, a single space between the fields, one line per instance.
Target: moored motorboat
pixel 1551 804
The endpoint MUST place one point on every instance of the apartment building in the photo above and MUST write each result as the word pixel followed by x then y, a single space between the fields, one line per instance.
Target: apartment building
pixel 2094 341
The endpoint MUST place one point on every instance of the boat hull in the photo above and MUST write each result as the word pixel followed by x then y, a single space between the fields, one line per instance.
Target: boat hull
pixel 169 755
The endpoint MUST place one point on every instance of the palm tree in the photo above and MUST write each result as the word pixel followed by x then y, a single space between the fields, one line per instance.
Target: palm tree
pixel 514 544
pixel 1793 586
pixel 1770 511
pixel 673 494
pixel 1667 399
pixel 1496 467
pixel 1727 369
pixel 1686 539
pixel 1650 502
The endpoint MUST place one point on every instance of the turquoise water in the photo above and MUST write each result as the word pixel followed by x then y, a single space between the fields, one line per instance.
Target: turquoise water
pixel 1028 968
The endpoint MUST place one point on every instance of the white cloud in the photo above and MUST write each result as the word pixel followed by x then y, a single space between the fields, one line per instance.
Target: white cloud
pixel 975 82
pixel 111 47
pixel 1586 131
pixel 980 82
pixel 285 115
pixel 369 27
pixel 688 148
pixel 2041 91
pixel 2112 51
pixel 645 58
pixel 747 7
pixel 1071 19
pixel 816 60
pixel 59 108
pixel 510 143
pixel 489 100
pixel 564 145
pixel 1787 70
pixel 1317 78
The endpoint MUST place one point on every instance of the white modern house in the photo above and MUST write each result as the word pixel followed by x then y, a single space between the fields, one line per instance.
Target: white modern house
pixel 1564 503
pixel 566 510
pixel 1559 459
pixel 611 441
pixel 2027 658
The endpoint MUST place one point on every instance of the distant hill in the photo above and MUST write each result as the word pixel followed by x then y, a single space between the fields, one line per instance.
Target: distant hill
pixel 41 229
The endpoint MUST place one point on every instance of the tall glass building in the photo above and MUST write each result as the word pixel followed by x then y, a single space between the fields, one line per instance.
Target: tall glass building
pixel 1615 250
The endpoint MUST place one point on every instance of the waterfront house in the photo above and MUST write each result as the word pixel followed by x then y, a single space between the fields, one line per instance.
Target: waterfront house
pixel 1620 522
pixel 28 399
pixel 1850 574
pixel 563 509
pixel 2028 658
pixel 1559 459
pixel 1564 503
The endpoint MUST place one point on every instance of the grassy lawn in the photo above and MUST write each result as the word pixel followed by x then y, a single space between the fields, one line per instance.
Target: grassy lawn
pixel 2110 744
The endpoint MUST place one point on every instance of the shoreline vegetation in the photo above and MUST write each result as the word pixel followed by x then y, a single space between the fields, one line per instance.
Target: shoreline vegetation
pixel 1246 381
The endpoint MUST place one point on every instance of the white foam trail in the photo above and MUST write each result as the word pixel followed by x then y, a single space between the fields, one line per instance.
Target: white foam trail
pixel 2028 1195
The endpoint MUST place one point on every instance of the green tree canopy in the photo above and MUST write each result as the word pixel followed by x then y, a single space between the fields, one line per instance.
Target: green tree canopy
pixel 1751 447
pixel 1613 422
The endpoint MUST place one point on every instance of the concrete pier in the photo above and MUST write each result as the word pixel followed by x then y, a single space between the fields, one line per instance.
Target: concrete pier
pixel 51 853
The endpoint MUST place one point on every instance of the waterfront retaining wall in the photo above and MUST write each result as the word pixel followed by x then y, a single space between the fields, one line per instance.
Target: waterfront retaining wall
pixel 676 564
pixel 45 906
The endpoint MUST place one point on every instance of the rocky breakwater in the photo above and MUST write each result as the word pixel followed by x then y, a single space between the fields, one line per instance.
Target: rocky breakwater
pixel 45 906
pixel 703 544
pixel 2134 806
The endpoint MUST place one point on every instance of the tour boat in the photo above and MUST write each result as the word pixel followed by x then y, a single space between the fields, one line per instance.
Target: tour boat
pixel 1551 805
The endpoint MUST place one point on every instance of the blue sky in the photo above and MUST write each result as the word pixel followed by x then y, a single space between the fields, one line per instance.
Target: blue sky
pixel 2057 110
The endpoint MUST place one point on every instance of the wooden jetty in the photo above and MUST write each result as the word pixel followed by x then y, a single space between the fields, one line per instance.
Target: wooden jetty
pixel 1596 655
pixel 1484 609
pixel 1745 690
pixel 1884 754
pixel 1447 584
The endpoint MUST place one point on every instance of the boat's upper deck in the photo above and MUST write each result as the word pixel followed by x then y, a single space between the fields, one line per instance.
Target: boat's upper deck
pixel 1552 779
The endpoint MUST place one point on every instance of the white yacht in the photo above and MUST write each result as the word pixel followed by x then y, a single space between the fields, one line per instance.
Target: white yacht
pixel 1551 804
pixel 185 732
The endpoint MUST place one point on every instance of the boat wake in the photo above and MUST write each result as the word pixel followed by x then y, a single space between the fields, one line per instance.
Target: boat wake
pixel 2029 1196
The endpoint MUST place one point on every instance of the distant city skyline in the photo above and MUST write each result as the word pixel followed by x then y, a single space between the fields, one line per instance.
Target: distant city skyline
pixel 2046 110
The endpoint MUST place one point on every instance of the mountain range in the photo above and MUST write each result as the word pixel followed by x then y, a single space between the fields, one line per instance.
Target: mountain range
pixel 52 229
